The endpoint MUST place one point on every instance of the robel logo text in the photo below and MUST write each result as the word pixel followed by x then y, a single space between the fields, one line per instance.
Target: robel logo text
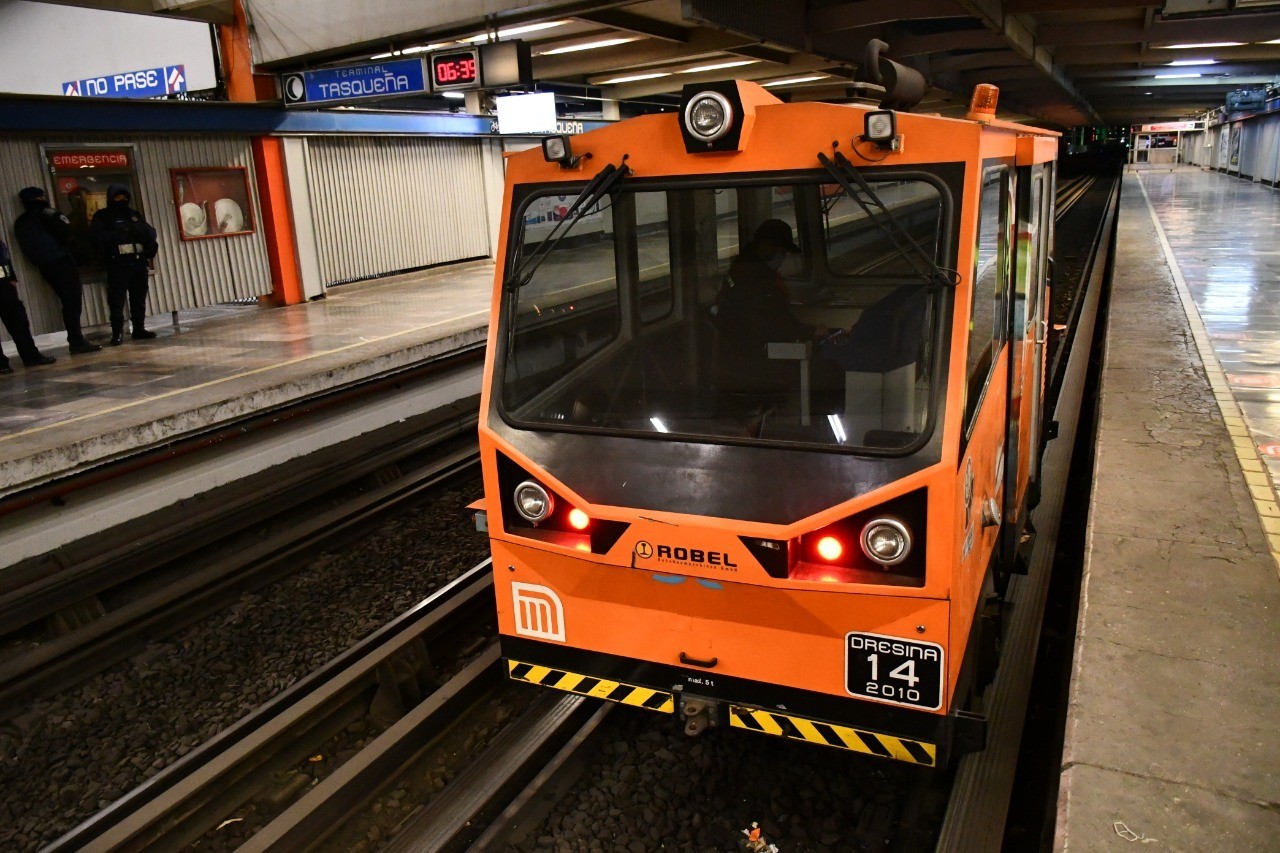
pixel 672 554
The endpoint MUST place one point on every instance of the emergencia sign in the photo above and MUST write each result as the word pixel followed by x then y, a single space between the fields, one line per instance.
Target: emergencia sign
pixel 145 83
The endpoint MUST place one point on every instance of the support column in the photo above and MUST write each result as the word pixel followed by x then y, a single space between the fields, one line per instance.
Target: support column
pixel 277 224
pixel 243 85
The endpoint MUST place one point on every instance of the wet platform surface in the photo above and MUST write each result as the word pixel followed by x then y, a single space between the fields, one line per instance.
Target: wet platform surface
pixel 226 363
pixel 1171 739
pixel 1225 234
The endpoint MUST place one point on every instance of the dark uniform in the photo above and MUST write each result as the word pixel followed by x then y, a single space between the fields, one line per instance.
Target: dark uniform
pixel 753 309
pixel 127 242
pixel 45 237
pixel 14 316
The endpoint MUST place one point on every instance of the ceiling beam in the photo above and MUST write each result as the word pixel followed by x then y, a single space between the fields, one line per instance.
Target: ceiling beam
pixel 632 23
pixel 675 82
pixel 1021 7
pixel 975 61
pixel 638 55
pixel 976 39
pixel 865 13
pixel 1224 83
pixel 1243 28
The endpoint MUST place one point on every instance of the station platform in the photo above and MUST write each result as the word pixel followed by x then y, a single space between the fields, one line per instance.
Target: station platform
pixel 1171 736
pixel 224 364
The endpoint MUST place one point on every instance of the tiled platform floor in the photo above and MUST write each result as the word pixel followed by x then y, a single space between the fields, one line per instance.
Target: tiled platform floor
pixel 1171 736
pixel 1225 234
pixel 222 357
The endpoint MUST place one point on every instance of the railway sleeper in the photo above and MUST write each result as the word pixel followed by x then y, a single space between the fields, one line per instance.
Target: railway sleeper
pixel 75 616
pixel 404 680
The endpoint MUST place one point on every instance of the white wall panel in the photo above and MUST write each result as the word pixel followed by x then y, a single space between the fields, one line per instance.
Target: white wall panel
pixel 1268 149
pixel 188 274
pixel 386 204
pixel 47 45
pixel 1249 154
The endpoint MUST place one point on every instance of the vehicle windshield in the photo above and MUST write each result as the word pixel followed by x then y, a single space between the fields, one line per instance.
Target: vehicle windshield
pixel 761 312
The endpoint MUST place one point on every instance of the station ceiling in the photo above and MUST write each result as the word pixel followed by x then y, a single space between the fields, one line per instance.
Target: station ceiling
pixel 1064 62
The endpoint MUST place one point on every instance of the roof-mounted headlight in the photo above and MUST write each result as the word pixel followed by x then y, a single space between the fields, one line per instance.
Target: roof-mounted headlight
pixel 556 149
pixel 717 117
pixel 708 116
pixel 880 127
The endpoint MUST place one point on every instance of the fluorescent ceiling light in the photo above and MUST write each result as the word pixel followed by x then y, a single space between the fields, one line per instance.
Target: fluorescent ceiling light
pixel 1176 76
pixel 517 31
pixel 790 80
pixel 632 78
pixel 1198 45
pixel 1273 41
pixel 455 95
pixel 385 55
pixel 1193 62
pixel 591 45
pixel 716 66
pixel 658 424
pixel 423 48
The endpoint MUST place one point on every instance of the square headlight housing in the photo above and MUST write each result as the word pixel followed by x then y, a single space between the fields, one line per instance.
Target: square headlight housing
pixel 558 149
pixel 880 127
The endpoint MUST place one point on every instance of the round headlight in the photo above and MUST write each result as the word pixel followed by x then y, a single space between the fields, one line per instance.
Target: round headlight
pixel 532 502
pixel 886 541
pixel 708 116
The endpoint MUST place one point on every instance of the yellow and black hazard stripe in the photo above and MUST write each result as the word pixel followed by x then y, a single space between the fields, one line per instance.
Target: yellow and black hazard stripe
pixel 588 685
pixel 829 734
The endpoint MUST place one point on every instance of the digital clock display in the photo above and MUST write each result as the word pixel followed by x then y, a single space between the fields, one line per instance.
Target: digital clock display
pixel 455 70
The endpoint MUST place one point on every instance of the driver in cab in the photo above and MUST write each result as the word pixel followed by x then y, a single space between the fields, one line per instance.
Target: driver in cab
pixel 753 309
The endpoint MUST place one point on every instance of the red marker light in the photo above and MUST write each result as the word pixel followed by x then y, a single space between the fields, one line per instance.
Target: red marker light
pixel 579 519
pixel 829 548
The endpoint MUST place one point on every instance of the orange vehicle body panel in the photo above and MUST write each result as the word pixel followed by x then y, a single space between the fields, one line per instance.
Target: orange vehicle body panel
pixel 785 632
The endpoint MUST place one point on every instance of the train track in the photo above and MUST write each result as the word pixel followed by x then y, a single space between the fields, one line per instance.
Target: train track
pixel 378 679
pixel 173 573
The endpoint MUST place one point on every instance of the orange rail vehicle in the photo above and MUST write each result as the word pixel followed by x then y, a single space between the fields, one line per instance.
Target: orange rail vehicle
pixel 759 426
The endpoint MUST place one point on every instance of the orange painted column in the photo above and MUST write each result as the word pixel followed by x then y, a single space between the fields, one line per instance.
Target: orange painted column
pixel 277 225
pixel 243 85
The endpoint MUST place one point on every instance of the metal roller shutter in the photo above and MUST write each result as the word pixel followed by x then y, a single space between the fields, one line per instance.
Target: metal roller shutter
pixel 382 205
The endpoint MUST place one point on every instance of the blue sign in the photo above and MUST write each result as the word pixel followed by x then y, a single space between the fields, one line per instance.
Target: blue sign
pixel 147 83
pixel 354 82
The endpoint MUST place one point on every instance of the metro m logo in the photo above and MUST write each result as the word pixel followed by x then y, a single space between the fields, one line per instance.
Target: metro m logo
pixel 538 612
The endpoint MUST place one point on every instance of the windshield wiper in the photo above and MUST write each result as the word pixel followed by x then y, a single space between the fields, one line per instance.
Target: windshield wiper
pixel 604 181
pixel 846 174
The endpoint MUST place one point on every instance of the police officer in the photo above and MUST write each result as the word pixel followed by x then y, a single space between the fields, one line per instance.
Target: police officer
pixel 44 235
pixel 127 242
pixel 14 316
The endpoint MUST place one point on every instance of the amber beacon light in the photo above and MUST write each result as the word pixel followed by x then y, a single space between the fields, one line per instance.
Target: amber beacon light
pixel 984 101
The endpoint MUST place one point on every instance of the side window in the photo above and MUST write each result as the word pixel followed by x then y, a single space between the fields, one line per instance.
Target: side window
pixel 653 247
pixel 1035 212
pixel 990 277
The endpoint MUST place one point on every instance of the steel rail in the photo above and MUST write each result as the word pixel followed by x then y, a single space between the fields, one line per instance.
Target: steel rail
pixel 69 659
pixel 72 574
pixel 176 806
